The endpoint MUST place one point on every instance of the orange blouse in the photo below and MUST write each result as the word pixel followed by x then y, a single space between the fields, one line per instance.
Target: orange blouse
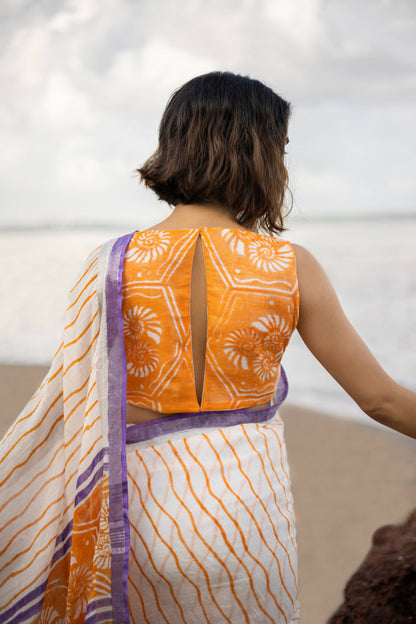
pixel 253 306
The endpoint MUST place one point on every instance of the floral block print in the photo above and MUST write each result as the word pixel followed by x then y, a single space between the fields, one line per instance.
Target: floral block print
pixel 253 302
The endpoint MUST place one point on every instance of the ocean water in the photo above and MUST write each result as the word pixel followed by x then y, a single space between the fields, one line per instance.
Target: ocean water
pixel 372 265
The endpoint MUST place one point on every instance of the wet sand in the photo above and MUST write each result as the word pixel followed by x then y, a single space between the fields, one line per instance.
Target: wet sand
pixel 348 479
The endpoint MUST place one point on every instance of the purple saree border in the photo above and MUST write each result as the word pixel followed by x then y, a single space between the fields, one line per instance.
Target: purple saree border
pixel 117 430
pixel 65 539
pixel 87 473
pixel 83 494
pixel 66 545
pixel 30 612
pixel 32 595
pixel 92 617
pixel 117 472
pixel 33 609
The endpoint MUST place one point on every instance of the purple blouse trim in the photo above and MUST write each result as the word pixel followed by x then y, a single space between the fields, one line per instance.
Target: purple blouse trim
pixel 182 422
pixel 282 388
pixel 117 386
pixel 227 418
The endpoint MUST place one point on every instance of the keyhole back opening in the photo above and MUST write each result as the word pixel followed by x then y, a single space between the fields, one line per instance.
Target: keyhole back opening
pixel 199 318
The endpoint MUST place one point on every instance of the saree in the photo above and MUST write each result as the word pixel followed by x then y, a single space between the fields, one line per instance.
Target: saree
pixel 188 518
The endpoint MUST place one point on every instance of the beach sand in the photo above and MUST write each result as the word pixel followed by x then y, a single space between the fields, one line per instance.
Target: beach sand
pixel 348 479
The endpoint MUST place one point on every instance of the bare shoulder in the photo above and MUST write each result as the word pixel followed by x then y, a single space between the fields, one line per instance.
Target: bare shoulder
pixel 305 260
pixel 314 284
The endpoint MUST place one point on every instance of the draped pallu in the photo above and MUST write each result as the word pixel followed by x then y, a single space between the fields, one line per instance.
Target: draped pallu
pixel 188 518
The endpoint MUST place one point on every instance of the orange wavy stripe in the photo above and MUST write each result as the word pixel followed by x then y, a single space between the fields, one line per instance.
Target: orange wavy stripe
pixel 271 488
pixel 151 585
pixel 83 355
pixel 234 521
pixel 83 275
pixel 33 451
pixel 70 504
pixel 68 416
pixel 39 551
pixel 241 533
pixel 94 292
pixel 90 449
pixel 215 521
pixel 81 387
pixel 148 552
pixel 31 430
pixel 22 552
pixel 45 383
pixel 30 482
pixel 30 523
pixel 132 618
pixel 195 528
pixel 262 505
pixel 198 591
pixel 80 294
pixel 280 483
pixel 80 428
pixel 68 344
pixel 280 446
pixel 20 420
pixel 22 511
pixel 13 598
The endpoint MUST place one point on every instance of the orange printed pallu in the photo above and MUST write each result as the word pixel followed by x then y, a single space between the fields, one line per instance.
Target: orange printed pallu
pixel 187 518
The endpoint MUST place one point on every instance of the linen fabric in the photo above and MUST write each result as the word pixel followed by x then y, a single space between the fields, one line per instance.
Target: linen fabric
pixel 82 535
pixel 211 521
pixel 253 308
pixel 64 532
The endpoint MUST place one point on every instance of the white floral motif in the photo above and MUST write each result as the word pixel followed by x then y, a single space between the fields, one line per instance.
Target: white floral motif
pixel 139 321
pixel 103 553
pixel 141 356
pixel 103 546
pixel 148 246
pixel 49 616
pixel 266 365
pixel 268 257
pixel 78 590
pixel 240 345
pixel 235 240
pixel 276 329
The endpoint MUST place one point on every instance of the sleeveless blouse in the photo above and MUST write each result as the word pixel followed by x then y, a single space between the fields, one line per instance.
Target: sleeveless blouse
pixel 252 311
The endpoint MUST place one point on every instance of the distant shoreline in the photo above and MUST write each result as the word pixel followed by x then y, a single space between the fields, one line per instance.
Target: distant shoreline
pixel 293 218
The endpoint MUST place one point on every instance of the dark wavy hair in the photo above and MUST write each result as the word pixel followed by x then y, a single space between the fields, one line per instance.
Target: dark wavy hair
pixel 222 140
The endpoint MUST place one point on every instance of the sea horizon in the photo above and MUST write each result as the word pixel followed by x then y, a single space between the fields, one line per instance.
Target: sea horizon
pixel 372 268
pixel 293 218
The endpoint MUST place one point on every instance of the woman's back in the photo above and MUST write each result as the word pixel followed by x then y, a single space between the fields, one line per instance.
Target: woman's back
pixel 207 315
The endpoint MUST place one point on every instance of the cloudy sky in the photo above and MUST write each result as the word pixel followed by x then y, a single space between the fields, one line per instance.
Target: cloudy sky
pixel 84 82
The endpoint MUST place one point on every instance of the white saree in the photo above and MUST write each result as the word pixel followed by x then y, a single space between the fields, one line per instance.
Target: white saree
pixel 188 518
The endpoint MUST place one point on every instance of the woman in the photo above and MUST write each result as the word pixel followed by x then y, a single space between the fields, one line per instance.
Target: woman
pixel 186 513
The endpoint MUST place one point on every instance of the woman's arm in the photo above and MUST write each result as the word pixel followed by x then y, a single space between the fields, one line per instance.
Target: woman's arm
pixel 332 339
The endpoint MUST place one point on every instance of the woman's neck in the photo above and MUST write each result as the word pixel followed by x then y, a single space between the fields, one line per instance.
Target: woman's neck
pixel 189 216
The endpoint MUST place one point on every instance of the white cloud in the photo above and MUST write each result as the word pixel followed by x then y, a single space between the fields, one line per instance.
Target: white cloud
pixel 76 12
pixel 63 107
pixel 299 20
pixel 84 83
pixel 353 157
pixel 140 80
